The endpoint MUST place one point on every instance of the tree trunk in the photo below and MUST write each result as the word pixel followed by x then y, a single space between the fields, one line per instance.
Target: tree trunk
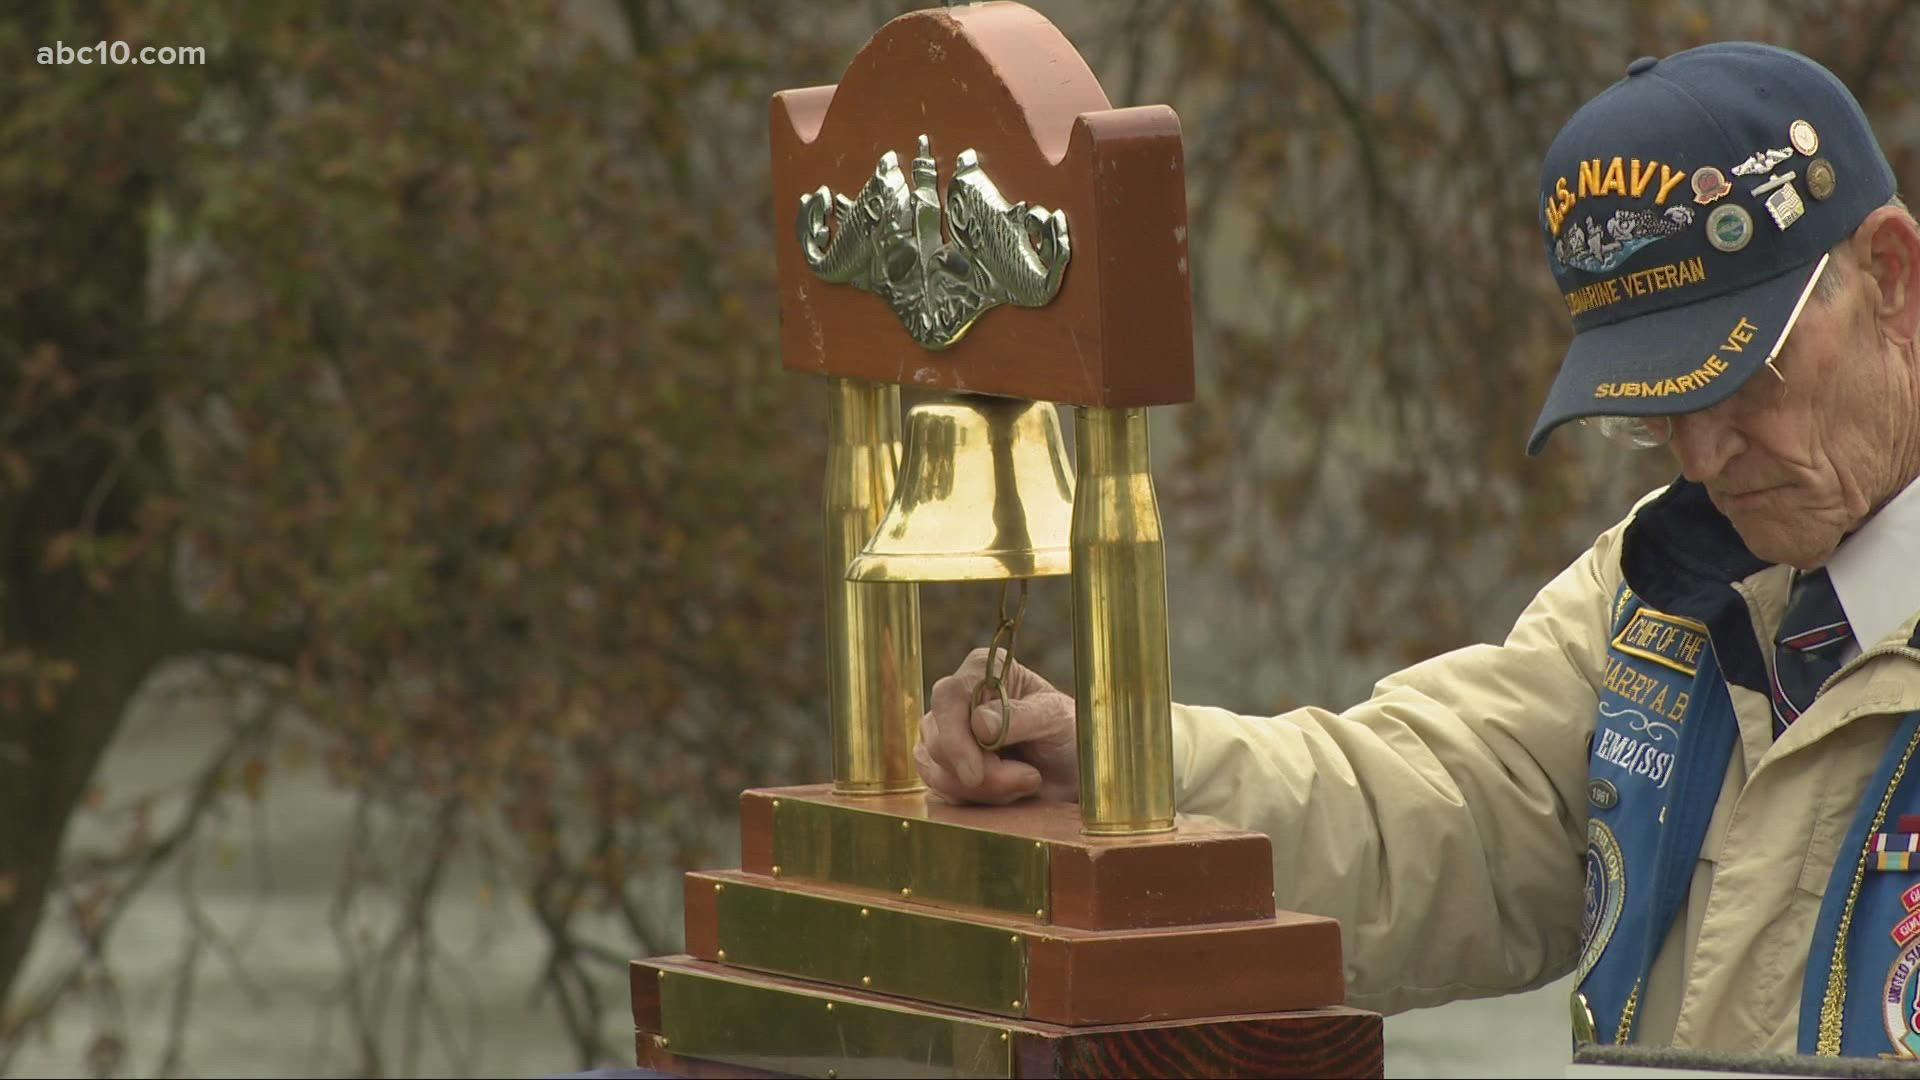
pixel 48 756
pixel 76 285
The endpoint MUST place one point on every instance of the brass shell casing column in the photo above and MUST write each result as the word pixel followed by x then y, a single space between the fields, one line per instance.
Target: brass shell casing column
pixel 1123 685
pixel 873 629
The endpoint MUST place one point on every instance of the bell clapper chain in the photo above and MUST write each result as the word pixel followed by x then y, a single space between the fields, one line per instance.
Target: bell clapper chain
pixel 1001 649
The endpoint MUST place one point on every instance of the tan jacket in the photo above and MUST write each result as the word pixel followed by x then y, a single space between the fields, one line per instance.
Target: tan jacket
pixel 1443 821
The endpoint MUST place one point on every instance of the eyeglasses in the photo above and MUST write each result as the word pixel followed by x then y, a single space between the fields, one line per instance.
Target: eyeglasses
pixel 1755 396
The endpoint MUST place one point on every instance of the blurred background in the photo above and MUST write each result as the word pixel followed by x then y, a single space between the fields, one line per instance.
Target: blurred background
pixel 410 541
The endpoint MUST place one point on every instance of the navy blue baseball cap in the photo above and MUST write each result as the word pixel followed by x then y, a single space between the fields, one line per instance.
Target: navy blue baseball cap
pixel 1685 211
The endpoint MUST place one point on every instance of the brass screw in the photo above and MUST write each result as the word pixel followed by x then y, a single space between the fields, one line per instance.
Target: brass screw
pixel 663 976
pixel 776 804
pixel 1003 1036
pixel 1038 845
pixel 866 980
pixel 723 956
pixel 1016 1003
pixel 905 825
pixel 833 1074
pixel 829 1006
pixel 863 913
pixel 1015 939
pixel 717 887
pixel 1039 913
pixel 776 871
pixel 662 1041
pixel 906 890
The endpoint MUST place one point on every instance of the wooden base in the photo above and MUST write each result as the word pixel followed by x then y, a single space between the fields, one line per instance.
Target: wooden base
pixel 1193 874
pixel 1331 1042
pixel 1011 967
pixel 899 935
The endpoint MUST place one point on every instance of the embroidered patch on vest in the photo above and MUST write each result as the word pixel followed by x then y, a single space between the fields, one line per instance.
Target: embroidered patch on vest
pixel 1606 894
pixel 1668 640
pixel 1639 754
pixel 1897 1005
pixel 1907 928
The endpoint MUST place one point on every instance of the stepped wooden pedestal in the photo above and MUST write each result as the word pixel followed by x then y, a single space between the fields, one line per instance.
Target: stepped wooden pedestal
pixel 901 936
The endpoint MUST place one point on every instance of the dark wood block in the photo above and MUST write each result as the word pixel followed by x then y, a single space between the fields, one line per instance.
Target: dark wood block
pixel 1288 962
pixel 1194 874
pixel 1331 1042
pixel 1002 80
pixel 1336 1042
pixel 1012 967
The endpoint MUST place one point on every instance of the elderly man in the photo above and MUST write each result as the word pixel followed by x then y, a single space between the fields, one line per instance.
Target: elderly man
pixel 1690 775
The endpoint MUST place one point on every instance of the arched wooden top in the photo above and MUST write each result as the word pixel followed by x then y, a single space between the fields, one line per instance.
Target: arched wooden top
pixel 1000 79
pixel 1005 59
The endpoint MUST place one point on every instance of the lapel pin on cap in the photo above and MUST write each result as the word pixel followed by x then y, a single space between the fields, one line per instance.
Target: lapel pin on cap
pixel 1785 204
pixel 1804 138
pixel 1762 161
pixel 1710 185
pixel 1729 227
pixel 1820 178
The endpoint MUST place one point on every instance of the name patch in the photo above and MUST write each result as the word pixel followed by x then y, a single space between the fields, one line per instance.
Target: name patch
pixel 1640 688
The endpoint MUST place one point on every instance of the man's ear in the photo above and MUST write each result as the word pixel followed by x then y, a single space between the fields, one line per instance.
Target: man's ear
pixel 1888 244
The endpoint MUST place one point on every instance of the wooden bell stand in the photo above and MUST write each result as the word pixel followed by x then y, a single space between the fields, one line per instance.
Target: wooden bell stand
pixel 872 929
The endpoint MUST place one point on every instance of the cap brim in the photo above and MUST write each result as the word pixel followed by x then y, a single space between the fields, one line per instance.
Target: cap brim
pixel 1675 361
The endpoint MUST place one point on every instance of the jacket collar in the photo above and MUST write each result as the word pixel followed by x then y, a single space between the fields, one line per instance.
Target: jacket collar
pixel 1682 555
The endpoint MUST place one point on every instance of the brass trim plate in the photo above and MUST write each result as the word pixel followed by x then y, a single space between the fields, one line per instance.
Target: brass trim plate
pixel 910 954
pixel 911 858
pixel 800 1034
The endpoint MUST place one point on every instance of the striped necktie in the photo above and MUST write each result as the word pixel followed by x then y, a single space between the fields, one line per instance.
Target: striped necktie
pixel 1813 634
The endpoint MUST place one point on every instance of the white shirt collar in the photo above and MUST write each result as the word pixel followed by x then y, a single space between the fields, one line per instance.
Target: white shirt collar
pixel 1876 571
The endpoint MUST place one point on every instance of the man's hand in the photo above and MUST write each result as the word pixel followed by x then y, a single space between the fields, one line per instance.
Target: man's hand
pixel 1038 756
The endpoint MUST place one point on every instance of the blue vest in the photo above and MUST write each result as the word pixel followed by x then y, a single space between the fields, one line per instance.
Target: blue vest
pixel 1660 747
pixel 1663 737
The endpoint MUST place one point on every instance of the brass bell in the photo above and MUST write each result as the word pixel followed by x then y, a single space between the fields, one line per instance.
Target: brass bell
pixel 985 493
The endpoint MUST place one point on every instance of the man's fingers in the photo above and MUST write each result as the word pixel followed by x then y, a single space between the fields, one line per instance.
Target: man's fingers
pixel 951 703
pixel 1007 780
pixel 938 776
pixel 1003 780
pixel 1026 719
pixel 962 715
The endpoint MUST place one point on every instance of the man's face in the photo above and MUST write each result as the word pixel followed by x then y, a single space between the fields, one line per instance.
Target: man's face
pixel 1799 461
